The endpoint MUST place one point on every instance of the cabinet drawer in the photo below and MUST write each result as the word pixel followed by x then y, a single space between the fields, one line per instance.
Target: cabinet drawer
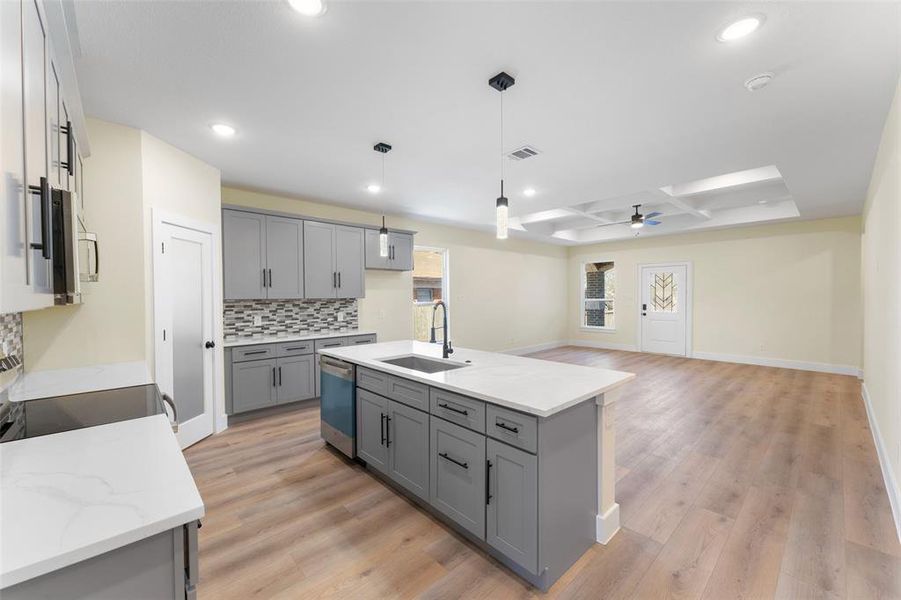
pixel 294 348
pixel 374 381
pixel 243 353
pixel 457 474
pixel 514 428
pixel 329 343
pixel 357 340
pixel 458 409
pixel 409 392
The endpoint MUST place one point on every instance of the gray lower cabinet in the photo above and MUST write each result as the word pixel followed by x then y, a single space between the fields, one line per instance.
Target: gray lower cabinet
pixel 408 448
pixel 372 410
pixel 512 506
pixel 457 477
pixel 254 384
pixel 295 379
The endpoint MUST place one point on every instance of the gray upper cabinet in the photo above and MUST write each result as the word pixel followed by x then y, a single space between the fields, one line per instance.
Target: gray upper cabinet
pixel 400 251
pixel 372 411
pixel 457 475
pixel 284 258
pixel 333 261
pixel 408 448
pixel 512 513
pixel 244 246
pixel 349 261
pixel 263 256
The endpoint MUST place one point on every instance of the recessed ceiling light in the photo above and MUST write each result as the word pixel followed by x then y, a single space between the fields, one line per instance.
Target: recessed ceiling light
pixel 309 8
pixel 762 201
pixel 529 192
pixel 758 81
pixel 740 28
pixel 373 188
pixel 222 129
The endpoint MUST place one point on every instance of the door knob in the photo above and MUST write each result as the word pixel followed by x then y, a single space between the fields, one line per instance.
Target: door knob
pixel 210 344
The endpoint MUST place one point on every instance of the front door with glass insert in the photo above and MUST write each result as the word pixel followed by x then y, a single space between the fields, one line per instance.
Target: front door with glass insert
pixel 663 309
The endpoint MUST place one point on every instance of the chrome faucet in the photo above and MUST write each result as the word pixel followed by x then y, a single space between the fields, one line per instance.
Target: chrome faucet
pixel 446 349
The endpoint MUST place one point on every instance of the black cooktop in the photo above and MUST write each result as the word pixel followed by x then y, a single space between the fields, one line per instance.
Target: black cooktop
pixel 33 418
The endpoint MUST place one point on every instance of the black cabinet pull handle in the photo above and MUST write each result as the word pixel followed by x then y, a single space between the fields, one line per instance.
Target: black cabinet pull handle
pixel 270 277
pixel 507 427
pixel 279 377
pixel 264 277
pixel 334 279
pixel 69 165
pixel 487 482
pixel 273 376
pixel 382 424
pixel 452 409
pixel 297 348
pixel 387 431
pixel 339 279
pixel 249 352
pixel 43 191
pixel 456 462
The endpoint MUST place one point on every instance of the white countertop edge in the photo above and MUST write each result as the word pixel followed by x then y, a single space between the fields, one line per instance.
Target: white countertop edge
pixel 271 339
pixel 65 382
pixel 415 376
pixel 78 555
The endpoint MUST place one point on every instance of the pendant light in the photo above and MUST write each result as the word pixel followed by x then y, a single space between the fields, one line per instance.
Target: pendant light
pixel 383 148
pixel 501 82
pixel 383 239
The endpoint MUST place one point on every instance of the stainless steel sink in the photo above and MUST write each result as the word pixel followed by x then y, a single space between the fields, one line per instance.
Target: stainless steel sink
pixel 422 363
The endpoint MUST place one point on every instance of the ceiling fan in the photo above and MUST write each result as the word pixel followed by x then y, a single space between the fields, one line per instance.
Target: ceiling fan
pixel 638 220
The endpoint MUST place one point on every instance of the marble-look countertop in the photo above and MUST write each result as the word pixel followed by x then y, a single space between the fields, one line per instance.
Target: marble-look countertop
pixel 62 382
pixel 74 495
pixel 530 385
pixel 274 339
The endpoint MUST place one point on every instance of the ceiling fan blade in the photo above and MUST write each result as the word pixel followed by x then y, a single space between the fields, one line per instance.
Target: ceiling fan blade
pixel 652 215
pixel 609 224
pixel 650 222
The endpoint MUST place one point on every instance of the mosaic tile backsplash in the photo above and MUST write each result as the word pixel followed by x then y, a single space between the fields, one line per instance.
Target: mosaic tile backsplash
pixel 11 340
pixel 288 316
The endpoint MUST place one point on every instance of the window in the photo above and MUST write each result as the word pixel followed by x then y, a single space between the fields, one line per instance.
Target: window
pixel 598 292
pixel 429 286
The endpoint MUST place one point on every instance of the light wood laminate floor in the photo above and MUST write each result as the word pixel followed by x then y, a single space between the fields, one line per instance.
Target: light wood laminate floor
pixel 734 481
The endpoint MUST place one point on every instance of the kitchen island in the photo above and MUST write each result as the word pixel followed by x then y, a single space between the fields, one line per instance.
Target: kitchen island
pixel 515 453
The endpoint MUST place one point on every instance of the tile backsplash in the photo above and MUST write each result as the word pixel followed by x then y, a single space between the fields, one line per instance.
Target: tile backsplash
pixel 11 349
pixel 287 316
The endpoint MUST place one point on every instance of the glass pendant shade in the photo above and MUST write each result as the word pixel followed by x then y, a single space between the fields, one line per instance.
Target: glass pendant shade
pixel 502 209
pixel 383 240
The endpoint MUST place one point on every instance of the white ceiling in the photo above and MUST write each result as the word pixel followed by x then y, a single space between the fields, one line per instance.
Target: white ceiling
pixel 621 98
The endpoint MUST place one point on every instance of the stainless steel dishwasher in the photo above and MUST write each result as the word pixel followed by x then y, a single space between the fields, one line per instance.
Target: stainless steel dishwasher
pixel 337 404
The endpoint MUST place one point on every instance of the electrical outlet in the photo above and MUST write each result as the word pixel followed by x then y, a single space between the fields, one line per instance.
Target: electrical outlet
pixel 340 316
pixel 258 319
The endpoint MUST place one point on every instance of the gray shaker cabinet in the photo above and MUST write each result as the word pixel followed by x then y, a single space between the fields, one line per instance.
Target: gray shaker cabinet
pixel 295 378
pixel 244 249
pixel 284 258
pixel 372 447
pixel 408 448
pixel 349 261
pixel 374 260
pixel 319 274
pixel 457 477
pixel 512 505
pixel 400 251
pixel 254 384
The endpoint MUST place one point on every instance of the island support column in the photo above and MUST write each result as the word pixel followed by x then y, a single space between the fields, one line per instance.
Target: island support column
pixel 608 509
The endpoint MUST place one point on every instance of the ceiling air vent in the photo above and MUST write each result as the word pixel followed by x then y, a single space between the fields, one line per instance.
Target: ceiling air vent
pixel 523 153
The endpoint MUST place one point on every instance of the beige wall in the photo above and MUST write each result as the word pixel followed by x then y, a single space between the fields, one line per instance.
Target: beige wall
pixel 109 326
pixel 503 295
pixel 789 291
pixel 881 266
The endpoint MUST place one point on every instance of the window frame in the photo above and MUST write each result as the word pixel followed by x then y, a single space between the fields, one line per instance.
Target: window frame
pixel 583 283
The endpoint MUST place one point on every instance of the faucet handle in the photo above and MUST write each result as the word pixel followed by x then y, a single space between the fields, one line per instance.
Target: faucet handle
pixel 450 349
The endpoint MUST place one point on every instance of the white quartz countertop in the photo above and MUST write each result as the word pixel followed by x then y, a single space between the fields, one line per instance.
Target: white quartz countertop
pixel 274 339
pixel 74 495
pixel 530 385
pixel 62 382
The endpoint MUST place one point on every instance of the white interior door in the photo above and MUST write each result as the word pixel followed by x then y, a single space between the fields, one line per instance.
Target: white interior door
pixel 183 292
pixel 664 309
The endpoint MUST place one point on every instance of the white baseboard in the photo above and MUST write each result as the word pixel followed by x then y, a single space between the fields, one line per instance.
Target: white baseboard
pixel 607 525
pixel 536 347
pixel 604 345
pixel 888 475
pixel 780 362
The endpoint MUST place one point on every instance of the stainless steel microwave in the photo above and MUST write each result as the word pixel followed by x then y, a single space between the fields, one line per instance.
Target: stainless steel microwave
pixel 76 256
